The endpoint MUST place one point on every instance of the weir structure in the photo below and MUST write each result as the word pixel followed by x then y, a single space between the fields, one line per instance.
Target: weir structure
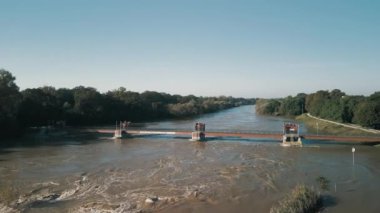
pixel 199 133
pixel 292 136
pixel 121 129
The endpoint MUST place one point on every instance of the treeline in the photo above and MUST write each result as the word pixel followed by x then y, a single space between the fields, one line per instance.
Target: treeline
pixel 86 106
pixel 289 106
pixel 333 105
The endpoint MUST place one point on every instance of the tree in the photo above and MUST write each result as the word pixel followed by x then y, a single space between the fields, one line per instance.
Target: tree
pixel 9 101
pixel 39 107
pixel 350 104
pixel 85 105
pixel 337 94
pixel 291 106
pixel 332 110
pixel 314 102
pixel 375 97
pixel 268 106
pixel 184 109
pixel 364 114
pixel 88 105
pixel 367 113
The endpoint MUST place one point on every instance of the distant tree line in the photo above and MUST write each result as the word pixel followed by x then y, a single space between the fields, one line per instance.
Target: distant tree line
pixel 86 106
pixel 333 105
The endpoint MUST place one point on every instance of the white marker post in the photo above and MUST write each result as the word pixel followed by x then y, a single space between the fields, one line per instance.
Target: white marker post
pixel 317 129
pixel 353 156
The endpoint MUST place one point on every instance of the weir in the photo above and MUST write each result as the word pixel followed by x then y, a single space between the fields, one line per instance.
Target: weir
pixel 201 135
pixel 290 135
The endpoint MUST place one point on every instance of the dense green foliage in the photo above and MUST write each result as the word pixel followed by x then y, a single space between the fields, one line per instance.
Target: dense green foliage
pixel 86 106
pixel 334 105
pixel 268 106
pixel 301 200
pixel 9 101
pixel 289 106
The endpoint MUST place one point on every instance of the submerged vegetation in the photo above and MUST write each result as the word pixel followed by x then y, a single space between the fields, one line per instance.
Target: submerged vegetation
pixel 333 105
pixel 323 182
pixel 86 106
pixel 301 200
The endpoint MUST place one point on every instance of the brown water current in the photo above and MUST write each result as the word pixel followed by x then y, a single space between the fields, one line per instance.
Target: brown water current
pixel 168 174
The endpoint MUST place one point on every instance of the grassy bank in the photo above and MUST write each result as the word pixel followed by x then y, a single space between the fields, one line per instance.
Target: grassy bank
pixel 324 127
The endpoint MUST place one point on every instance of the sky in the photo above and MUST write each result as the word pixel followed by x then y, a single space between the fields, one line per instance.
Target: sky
pixel 241 48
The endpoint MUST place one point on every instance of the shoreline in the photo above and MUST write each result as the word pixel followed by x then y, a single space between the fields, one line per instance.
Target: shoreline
pixel 352 126
pixel 317 126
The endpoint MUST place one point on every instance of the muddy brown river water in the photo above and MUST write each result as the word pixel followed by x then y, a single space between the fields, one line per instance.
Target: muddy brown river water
pixel 80 174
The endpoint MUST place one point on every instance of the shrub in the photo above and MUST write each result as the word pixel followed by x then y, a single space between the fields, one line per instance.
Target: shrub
pixel 324 183
pixel 301 200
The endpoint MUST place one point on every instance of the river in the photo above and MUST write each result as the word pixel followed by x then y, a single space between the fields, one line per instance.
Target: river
pixel 76 173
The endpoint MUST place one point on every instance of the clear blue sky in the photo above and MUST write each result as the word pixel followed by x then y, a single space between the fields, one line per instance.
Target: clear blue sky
pixel 208 47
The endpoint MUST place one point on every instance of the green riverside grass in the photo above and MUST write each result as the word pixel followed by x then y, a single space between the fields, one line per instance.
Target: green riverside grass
pixel 330 128
pixel 301 200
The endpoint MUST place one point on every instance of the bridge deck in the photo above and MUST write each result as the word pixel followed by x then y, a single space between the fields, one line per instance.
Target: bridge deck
pixel 275 136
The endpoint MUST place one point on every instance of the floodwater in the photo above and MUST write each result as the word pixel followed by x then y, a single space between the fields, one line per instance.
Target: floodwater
pixel 85 174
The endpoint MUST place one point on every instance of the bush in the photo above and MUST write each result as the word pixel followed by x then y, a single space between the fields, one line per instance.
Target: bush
pixel 323 182
pixel 301 200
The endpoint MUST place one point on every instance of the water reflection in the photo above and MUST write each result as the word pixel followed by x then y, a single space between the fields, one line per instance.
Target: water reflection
pixel 236 119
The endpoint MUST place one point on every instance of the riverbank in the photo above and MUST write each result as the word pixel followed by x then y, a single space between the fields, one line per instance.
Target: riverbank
pixel 322 126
